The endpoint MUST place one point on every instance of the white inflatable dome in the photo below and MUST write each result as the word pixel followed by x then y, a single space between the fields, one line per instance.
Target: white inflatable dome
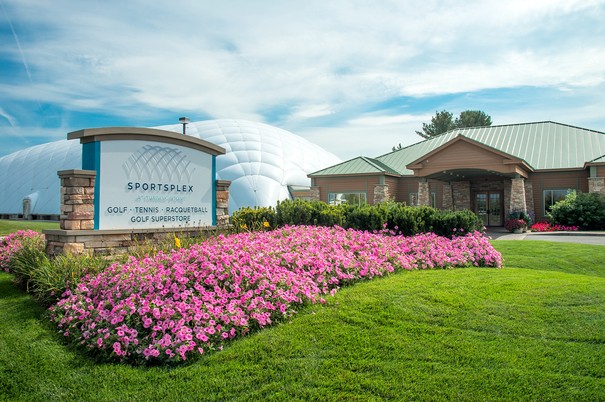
pixel 29 183
pixel 261 162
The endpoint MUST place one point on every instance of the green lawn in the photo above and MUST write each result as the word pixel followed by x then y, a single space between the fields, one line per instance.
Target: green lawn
pixel 9 226
pixel 534 330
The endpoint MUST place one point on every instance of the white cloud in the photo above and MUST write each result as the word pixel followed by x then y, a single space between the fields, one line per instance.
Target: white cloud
pixel 370 135
pixel 318 61
pixel 10 119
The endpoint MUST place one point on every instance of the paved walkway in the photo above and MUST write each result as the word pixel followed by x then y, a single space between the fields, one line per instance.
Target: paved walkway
pixel 568 237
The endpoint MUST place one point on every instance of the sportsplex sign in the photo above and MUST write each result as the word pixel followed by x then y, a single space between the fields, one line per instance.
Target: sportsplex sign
pixel 154 186
pixel 150 178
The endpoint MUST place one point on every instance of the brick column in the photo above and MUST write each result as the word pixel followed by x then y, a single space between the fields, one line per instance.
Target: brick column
pixel 381 193
pixel 517 195
pixel 77 199
pixel 461 194
pixel 596 185
pixel 448 200
pixel 424 193
pixel 222 202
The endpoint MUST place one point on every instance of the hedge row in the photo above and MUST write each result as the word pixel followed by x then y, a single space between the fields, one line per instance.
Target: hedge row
pixel 393 216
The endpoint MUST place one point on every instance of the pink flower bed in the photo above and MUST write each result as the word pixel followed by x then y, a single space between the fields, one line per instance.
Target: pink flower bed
pixel 547 227
pixel 171 307
pixel 11 244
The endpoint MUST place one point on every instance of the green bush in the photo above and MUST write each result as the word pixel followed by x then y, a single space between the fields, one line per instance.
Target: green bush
pixel 393 216
pixel 301 212
pixel 368 217
pixel 586 210
pixel 246 219
pixel 451 223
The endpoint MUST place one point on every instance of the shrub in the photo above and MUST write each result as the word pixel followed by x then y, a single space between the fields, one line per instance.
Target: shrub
pixel 396 217
pixel 513 224
pixel 258 218
pixel 521 215
pixel 586 210
pixel 450 223
pixel 368 217
pixel 301 212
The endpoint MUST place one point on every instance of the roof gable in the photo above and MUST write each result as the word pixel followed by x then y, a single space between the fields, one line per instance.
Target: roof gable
pixel 355 166
pixel 465 153
pixel 542 145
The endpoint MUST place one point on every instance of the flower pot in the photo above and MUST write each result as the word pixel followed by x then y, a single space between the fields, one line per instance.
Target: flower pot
pixel 518 231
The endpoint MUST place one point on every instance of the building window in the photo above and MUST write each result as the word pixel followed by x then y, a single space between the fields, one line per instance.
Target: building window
pixel 432 200
pixel 551 197
pixel 353 198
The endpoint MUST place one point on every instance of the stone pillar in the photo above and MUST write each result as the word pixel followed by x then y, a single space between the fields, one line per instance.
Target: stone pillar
pixel 424 193
pixel 222 202
pixel 381 193
pixel 448 200
pixel 517 195
pixel 461 194
pixel 314 193
pixel 77 199
pixel 596 185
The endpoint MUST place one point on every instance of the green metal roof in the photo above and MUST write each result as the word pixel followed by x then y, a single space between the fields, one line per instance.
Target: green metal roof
pixel 359 165
pixel 543 145
pixel 600 159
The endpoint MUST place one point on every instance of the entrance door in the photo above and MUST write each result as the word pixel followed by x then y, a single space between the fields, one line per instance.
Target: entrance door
pixel 488 206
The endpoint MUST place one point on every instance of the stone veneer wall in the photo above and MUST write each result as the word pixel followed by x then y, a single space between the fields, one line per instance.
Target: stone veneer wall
pixel 461 191
pixel 222 202
pixel 314 193
pixel 448 200
pixel 424 193
pixel 77 199
pixel 517 195
pixel 77 221
pixel 596 185
pixel 381 193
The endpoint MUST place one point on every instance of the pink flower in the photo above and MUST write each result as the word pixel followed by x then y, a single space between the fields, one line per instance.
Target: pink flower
pixel 175 303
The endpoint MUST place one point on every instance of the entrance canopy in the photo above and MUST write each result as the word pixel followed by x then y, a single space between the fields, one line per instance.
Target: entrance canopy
pixel 463 158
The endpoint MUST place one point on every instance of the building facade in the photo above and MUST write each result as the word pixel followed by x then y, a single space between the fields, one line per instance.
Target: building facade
pixel 491 171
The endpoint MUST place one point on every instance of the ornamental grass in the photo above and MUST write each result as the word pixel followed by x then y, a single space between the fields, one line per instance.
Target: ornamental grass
pixel 12 244
pixel 175 306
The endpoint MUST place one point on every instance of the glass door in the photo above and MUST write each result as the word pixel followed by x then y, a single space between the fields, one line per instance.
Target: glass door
pixel 488 207
pixel 495 209
pixel 481 207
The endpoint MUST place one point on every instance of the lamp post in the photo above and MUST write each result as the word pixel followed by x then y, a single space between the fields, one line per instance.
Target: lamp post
pixel 184 121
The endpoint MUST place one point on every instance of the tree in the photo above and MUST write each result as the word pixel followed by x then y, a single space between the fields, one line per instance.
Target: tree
pixel 443 121
pixel 473 118
pixel 440 123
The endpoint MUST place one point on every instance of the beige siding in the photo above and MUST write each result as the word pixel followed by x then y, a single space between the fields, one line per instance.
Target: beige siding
pixel 393 183
pixel 574 180
pixel 464 155
pixel 346 184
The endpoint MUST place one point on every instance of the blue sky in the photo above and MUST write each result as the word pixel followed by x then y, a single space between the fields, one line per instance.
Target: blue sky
pixel 356 77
